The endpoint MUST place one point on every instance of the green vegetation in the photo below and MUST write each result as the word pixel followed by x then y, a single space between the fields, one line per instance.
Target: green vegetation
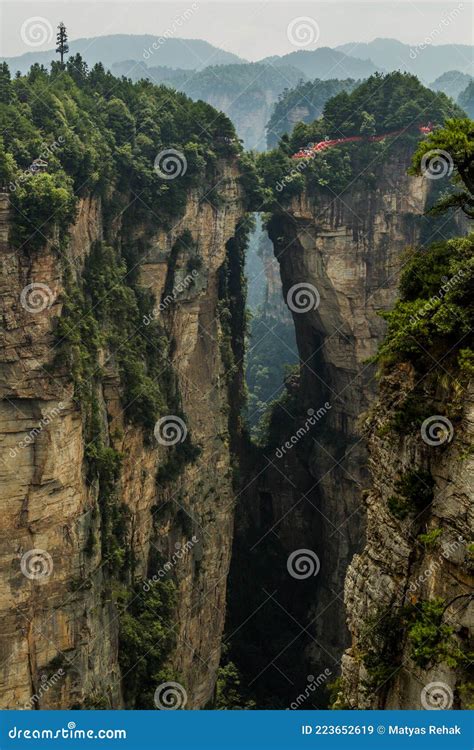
pixel 430 539
pixel 436 309
pixel 228 688
pixel 398 507
pixel 97 134
pixel 336 691
pixel 434 318
pixel 95 702
pixel 381 642
pixel 70 134
pixel 146 639
pixel 414 493
pixel 119 306
pixel 178 456
pixel 233 321
pixel 394 101
pixel 381 104
pixel 456 142
pixel 306 100
pixel 102 321
pixel 432 322
pixel 431 640
pixel 410 415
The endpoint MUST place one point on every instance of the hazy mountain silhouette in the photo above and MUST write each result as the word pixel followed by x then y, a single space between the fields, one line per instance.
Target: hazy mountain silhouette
pixel 427 63
pixel 324 63
pixel 191 54
pixel 451 83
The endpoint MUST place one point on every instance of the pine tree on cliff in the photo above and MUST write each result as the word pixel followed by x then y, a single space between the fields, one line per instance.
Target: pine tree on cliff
pixel 61 41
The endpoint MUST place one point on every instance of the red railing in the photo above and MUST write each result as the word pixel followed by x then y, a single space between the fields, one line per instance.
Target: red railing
pixel 327 143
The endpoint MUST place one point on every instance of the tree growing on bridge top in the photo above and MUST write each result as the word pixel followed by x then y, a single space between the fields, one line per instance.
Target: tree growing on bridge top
pixel 61 41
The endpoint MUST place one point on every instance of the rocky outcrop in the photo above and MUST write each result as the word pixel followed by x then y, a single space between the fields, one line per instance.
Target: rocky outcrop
pixel 415 571
pixel 58 611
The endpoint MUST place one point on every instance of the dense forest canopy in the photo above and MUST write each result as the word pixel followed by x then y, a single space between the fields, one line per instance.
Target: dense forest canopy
pixel 393 101
pixel 396 103
pixel 97 132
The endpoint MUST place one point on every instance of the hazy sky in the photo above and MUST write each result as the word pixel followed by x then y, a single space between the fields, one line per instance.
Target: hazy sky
pixel 250 29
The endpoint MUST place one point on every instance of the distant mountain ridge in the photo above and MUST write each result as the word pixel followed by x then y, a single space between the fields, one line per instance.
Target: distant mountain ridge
pixel 351 60
pixel 427 62
pixel 190 54
pixel 452 83
pixel 326 63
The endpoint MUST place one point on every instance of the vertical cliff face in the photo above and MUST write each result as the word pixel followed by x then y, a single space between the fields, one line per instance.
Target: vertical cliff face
pixel 60 605
pixel 343 256
pixel 409 592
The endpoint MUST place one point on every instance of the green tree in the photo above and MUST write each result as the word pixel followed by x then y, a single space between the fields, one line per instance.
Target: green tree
pixel 6 90
pixel 120 121
pixel 61 41
pixel 367 126
pixel 77 68
pixel 453 147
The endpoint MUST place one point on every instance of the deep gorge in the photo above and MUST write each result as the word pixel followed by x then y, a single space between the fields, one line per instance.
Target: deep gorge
pixel 142 482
